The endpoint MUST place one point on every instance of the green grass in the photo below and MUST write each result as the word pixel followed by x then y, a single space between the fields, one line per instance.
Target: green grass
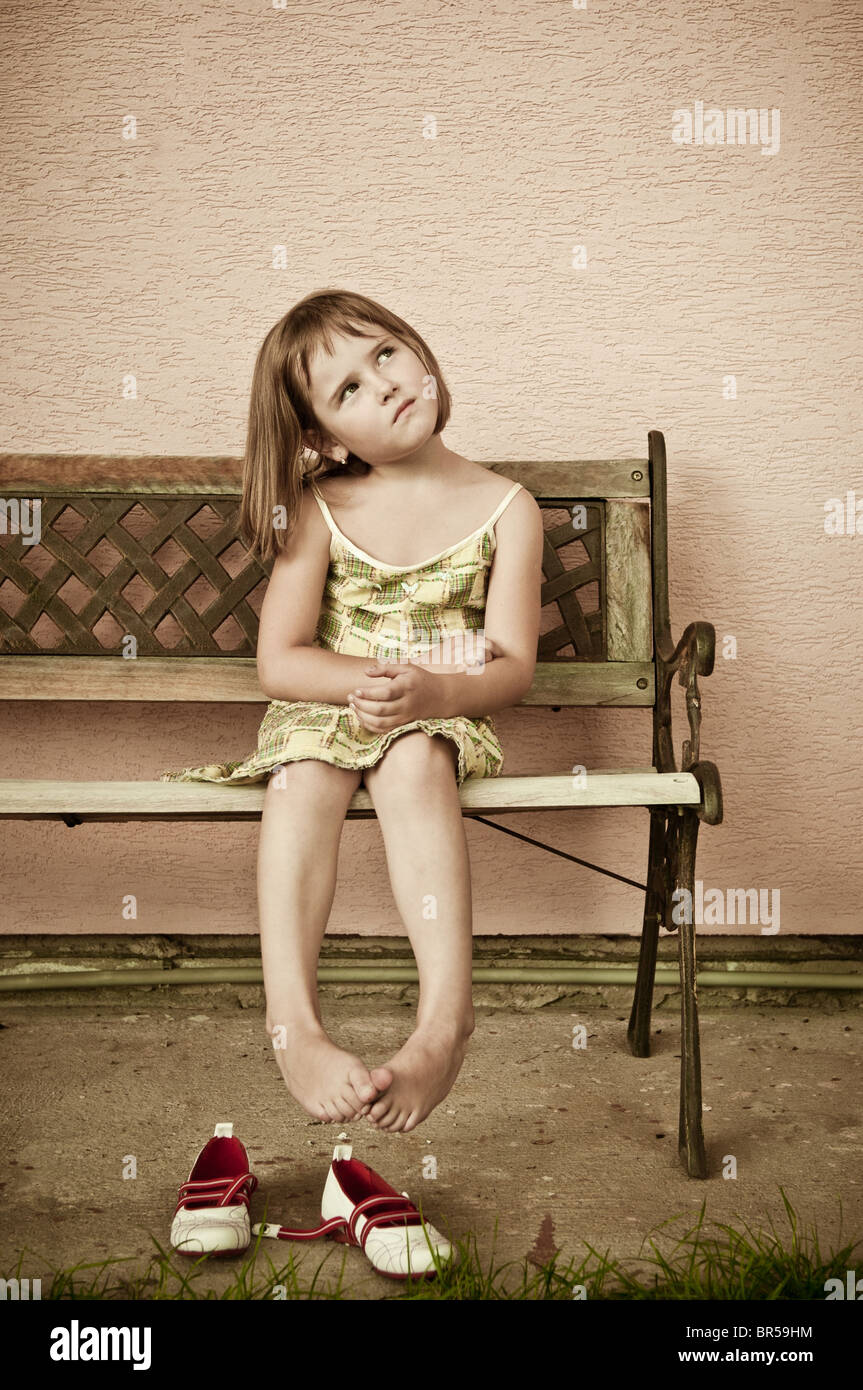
pixel 730 1265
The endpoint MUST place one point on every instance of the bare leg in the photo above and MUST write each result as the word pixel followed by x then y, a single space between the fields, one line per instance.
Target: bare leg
pixel 301 827
pixel 415 795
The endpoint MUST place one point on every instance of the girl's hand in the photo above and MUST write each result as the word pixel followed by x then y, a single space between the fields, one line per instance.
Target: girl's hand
pixel 488 651
pixel 396 694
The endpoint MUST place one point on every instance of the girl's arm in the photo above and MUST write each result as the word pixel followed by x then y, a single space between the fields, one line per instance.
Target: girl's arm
pixel 512 617
pixel 457 653
pixel 290 666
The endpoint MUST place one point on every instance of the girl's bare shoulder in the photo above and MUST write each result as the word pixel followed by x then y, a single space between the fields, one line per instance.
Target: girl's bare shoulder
pixel 338 488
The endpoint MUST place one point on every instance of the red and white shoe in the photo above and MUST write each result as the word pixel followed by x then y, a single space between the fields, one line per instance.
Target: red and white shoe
pixel 359 1208
pixel 212 1214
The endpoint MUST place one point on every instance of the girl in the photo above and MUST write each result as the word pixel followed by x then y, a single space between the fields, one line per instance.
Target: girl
pixel 375 592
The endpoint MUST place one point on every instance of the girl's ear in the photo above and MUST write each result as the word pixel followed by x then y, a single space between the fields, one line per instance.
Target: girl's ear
pixel 325 448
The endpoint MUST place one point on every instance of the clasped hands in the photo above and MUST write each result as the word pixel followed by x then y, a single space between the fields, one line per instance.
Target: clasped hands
pixel 399 692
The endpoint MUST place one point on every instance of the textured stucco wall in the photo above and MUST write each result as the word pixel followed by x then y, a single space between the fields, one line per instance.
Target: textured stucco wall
pixel 307 127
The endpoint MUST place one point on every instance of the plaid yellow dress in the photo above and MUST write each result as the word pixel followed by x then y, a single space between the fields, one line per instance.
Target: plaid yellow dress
pixel 384 612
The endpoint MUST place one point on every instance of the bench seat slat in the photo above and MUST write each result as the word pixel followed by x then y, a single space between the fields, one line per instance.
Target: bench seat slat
pixel 43 800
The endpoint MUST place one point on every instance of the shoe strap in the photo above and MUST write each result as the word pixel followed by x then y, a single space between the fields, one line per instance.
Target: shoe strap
pixel 367 1209
pixel 335 1223
pixel 402 1208
pixel 217 1192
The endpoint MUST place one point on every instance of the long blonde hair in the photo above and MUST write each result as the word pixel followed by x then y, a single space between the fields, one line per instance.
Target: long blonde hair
pixel 280 409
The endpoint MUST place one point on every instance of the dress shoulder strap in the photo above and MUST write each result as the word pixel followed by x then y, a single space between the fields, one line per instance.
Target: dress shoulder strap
pixel 325 509
pixel 504 504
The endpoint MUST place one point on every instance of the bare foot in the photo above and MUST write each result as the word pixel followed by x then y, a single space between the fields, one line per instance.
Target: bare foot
pixel 423 1073
pixel 328 1082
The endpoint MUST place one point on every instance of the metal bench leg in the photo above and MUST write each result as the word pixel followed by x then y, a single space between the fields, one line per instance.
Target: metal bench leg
pixel 638 1032
pixel 690 1140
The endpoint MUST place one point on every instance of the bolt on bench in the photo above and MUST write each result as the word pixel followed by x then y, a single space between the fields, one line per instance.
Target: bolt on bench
pixel 147 548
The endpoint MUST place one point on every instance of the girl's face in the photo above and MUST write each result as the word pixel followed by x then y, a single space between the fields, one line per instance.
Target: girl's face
pixel 357 392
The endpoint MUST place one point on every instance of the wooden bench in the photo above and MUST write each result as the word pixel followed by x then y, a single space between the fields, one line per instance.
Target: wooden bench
pixel 141 555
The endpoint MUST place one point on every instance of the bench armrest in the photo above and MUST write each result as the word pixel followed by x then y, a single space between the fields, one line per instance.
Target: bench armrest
pixel 692 657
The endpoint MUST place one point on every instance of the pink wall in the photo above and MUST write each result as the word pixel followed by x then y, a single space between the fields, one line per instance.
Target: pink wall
pixel 449 161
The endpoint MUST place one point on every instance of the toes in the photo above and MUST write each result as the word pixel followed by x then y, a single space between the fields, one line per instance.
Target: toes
pixel 363 1085
pixel 353 1102
pixel 346 1106
pixel 382 1077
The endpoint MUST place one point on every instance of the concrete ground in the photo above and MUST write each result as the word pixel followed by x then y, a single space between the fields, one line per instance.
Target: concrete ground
pixel 576 1145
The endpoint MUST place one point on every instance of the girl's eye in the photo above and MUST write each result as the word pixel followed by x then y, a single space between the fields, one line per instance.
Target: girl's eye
pixel 353 383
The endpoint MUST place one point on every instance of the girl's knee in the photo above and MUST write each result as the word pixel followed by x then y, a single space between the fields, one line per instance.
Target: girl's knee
pixel 418 752
pixel 313 777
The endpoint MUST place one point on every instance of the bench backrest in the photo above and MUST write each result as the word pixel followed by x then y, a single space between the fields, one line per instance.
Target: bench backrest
pixel 148 548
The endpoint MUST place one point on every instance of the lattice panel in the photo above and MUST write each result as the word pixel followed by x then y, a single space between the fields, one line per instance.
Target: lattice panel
pixel 573 622
pixel 172 572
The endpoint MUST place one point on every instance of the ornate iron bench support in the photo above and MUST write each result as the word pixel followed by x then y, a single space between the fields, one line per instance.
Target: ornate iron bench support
pixel 671 875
